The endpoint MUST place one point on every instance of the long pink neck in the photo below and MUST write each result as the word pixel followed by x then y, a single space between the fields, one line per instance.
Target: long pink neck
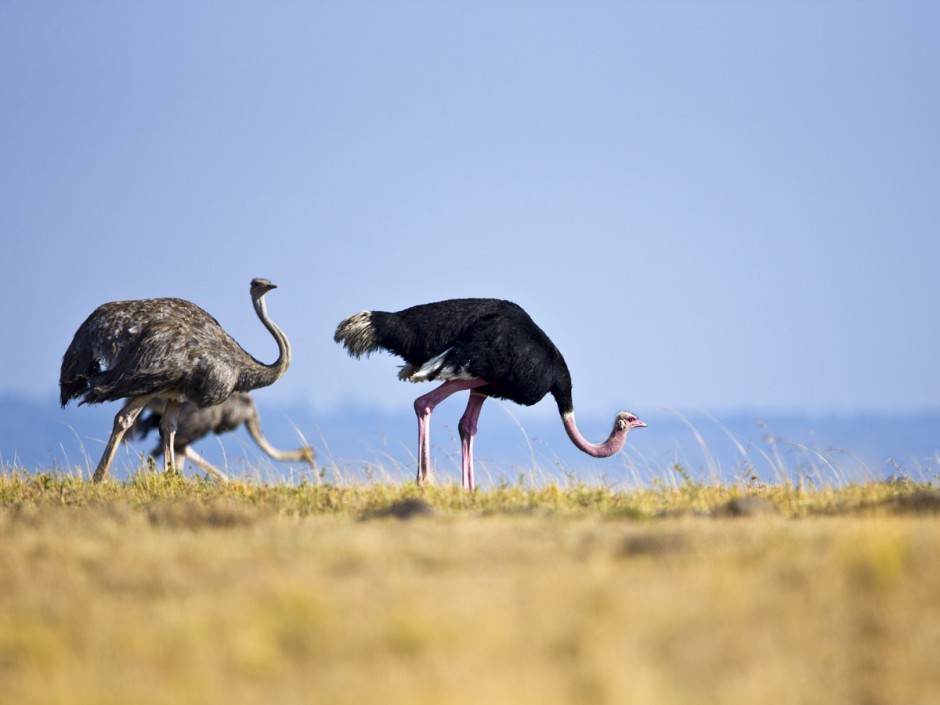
pixel 606 449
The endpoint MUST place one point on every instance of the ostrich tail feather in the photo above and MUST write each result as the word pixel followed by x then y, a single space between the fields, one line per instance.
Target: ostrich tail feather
pixel 357 334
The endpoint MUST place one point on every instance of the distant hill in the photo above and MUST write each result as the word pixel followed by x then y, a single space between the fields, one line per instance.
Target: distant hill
pixel 513 442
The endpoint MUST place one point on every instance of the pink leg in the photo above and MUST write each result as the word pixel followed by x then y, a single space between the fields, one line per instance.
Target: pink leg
pixel 424 405
pixel 468 429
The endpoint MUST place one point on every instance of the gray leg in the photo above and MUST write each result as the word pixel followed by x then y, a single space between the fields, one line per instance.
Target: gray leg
pixel 168 432
pixel 123 420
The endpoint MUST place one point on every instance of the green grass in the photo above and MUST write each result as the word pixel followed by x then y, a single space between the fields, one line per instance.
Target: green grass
pixel 146 489
pixel 174 589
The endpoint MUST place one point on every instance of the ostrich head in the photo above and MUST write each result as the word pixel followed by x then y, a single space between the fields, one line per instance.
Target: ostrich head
pixel 260 287
pixel 625 421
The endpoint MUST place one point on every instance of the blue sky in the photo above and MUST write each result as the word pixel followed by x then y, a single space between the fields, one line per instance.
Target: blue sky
pixel 715 206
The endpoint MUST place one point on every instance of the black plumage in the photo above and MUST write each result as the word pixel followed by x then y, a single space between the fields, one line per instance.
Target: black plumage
pixel 487 339
pixel 490 346
pixel 162 348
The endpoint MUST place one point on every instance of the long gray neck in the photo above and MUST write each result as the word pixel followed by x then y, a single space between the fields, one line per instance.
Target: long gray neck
pixel 261 375
pixel 254 430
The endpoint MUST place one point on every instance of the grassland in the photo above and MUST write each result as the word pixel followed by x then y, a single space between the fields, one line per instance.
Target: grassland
pixel 168 589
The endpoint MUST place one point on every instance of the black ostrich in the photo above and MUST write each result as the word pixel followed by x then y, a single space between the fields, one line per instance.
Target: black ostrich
pixel 488 346
pixel 195 423
pixel 162 348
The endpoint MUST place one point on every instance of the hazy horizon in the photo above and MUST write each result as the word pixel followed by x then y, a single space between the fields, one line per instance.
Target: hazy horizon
pixel 512 442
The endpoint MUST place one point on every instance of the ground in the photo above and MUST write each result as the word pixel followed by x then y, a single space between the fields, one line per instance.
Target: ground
pixel 174 590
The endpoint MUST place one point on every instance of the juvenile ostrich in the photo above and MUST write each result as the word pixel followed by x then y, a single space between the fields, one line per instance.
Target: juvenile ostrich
pixel 162 348
pixel 195 423
pixel 488 346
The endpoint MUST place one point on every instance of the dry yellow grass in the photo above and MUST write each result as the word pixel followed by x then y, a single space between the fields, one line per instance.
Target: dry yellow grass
pixel 167 590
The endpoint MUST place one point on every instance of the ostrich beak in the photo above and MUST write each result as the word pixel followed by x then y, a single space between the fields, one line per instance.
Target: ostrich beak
pixel 637 424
